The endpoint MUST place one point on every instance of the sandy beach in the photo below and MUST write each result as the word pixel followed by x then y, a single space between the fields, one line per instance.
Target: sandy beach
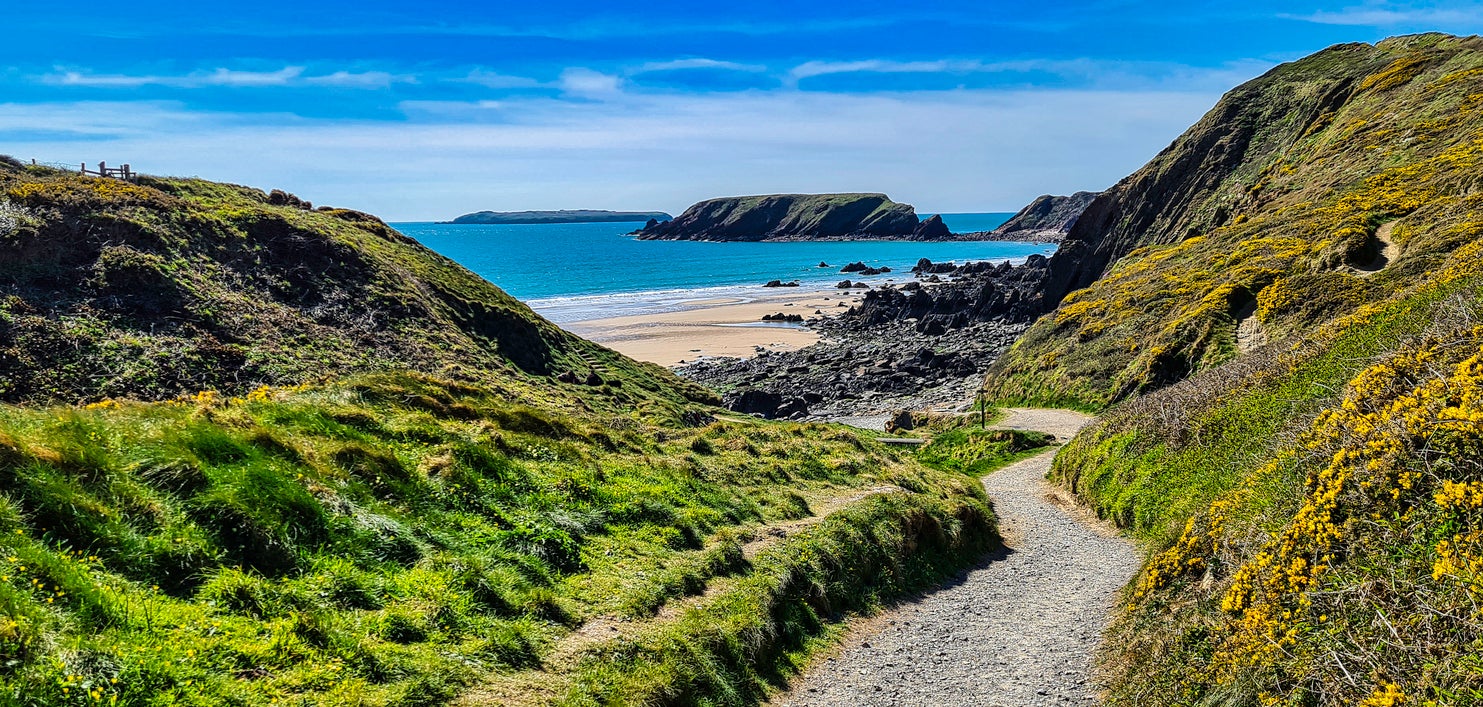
pixel 722 326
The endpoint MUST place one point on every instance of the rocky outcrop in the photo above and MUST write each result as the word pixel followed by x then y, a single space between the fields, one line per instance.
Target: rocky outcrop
pixel 562 216
pixel 983 292
pixel 932 229
pixel 781 217
pixel 1047 219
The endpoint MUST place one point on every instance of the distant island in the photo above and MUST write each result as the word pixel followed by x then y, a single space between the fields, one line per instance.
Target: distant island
pixel 562 216
pixel 798 217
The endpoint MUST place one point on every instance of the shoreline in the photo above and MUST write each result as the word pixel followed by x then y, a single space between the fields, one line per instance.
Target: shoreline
pixel 718 324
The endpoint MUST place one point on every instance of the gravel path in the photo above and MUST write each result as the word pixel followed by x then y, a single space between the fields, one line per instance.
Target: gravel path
pixel 1018 629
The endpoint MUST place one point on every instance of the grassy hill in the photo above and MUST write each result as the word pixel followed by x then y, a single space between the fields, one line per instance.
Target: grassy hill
pixel 167 287
pixel 1283 307
pixel 258 453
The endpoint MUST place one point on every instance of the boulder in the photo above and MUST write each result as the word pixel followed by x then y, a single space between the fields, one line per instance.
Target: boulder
pixel 755 402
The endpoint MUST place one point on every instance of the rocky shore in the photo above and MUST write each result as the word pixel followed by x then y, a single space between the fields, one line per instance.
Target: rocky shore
pixel 922 345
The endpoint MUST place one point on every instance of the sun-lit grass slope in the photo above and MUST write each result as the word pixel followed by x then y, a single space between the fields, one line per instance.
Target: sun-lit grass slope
pixel 308 461
pixel 171 286
pixel 1302 411
pixel 1277 207
pixel 395 538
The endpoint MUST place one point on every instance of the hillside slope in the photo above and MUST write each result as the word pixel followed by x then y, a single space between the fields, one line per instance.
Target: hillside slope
pixel 1281 202
pixel 1286 303
pixel 167 287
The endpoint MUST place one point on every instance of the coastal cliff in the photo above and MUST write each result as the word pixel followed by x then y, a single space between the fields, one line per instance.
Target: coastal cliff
pixel 562 216
pixel 797 217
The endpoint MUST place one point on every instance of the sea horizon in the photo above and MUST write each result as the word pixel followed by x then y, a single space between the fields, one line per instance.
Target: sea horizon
pixel 584 271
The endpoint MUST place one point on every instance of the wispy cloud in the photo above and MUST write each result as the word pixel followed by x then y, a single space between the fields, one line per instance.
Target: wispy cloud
pixel 1387 15
pixel 695 63
pixel 494 79
pixel 230 78
pixel 587 83
pixel 890 66
pixel 1104 74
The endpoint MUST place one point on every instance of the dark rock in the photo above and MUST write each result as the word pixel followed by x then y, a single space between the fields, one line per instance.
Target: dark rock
pixel 755 402
pixel 857 266
pixel 780 283
pixel 932 229
pixel 823 264
pixel 844 285
pixel 593 379
pixel 568 377
pixel 780 317
pixel 927 267
pixel 278 197
pixel 1047 219
pixel 795 407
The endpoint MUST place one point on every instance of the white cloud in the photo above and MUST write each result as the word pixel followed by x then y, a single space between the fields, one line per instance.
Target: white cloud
pixel 491 79
pixel 888 66
pixel 587 83
pixel 1144 75
pixel 223 77
pixel 696 63
pixel 943 151
pixel 1386 15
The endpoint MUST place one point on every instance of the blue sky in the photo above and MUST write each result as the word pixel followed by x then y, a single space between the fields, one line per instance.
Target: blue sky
pixel 430 109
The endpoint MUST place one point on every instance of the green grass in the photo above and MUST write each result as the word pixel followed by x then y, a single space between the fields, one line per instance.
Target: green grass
pixel 397 538
pixel 977 452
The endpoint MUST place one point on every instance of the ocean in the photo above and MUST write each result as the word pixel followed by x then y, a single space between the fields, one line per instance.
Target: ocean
pixel 583 271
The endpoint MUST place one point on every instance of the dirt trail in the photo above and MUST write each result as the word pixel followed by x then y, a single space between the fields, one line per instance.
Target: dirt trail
pixel 1018 629
pixel 1389 251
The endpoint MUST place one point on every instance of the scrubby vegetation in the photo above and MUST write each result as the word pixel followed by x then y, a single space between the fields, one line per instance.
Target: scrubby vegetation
pixel 1298 431
pixel 1300 174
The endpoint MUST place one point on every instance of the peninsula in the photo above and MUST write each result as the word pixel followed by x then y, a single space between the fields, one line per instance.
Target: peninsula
pixel 798 217
pixel 513 218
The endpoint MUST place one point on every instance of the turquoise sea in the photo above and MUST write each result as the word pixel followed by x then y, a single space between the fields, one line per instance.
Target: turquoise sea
pixel 576 272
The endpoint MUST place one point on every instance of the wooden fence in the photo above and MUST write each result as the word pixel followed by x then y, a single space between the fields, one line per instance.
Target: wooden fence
pixel 103 170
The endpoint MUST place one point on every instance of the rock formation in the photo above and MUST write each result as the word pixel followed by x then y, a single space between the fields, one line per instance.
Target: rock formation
pixel 782 217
